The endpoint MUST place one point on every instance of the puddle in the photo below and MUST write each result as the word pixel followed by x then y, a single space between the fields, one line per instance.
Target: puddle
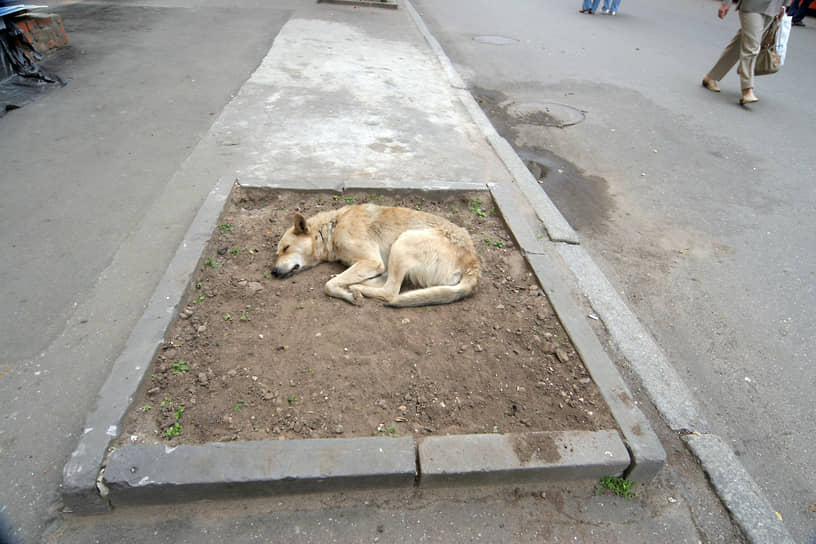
pixel 584 200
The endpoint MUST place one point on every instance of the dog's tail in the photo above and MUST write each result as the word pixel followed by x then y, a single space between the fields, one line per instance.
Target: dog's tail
pixel 440 294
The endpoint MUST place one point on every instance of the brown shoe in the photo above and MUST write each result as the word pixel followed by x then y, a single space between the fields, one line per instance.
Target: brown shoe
pixel 711 84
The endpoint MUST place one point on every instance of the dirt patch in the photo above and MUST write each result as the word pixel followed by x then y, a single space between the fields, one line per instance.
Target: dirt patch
pixel 251 357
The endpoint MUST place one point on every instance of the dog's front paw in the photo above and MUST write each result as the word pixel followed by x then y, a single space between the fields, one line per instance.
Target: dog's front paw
pixel 356 296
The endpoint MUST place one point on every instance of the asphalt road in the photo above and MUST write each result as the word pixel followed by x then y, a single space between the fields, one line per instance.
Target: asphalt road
pixel 93 211
pixel 698 210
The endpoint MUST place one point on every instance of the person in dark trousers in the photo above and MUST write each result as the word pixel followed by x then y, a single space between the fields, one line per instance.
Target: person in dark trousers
pixel 798 9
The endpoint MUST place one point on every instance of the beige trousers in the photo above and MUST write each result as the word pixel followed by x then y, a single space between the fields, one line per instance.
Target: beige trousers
pixel 743 48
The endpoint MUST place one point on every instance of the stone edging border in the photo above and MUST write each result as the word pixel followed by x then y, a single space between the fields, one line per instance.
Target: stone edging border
pixel 138 474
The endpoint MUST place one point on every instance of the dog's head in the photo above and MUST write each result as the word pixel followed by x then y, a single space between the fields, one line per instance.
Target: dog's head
pixel 295 250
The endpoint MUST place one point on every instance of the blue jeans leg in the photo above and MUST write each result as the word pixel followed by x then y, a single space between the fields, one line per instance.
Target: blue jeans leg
pixel 615 6
pixel 591 5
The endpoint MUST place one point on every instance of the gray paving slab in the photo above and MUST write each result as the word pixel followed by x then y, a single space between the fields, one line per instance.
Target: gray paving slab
pixel 521 457
pixel 154 474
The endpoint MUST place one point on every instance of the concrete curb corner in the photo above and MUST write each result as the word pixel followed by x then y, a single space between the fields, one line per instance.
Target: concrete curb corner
pixel 648 455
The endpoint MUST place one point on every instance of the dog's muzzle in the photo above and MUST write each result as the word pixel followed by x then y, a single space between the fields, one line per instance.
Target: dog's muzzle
pixel 280 274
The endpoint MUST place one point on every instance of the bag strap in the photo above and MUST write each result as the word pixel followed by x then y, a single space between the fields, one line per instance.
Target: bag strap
pixel 769 38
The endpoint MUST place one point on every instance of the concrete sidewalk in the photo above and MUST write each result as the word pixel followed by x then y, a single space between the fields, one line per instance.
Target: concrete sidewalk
pixel 358 96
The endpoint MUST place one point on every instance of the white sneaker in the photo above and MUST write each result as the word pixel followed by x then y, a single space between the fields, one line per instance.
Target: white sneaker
pixel 604 10
pixel 612 12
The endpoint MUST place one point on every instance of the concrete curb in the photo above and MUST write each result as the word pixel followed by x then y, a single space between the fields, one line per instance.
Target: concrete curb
pixel 154 474
pixel 648 456
pixel 521 457
pixel 738 491
pixel 81 472
pixel 664 386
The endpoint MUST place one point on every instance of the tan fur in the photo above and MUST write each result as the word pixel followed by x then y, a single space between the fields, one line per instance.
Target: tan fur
pixel 383 246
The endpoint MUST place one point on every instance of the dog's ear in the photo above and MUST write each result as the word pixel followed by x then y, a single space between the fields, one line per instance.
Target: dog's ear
pixel 300 224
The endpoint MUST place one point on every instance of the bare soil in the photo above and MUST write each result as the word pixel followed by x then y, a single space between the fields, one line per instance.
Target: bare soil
pixel 252 357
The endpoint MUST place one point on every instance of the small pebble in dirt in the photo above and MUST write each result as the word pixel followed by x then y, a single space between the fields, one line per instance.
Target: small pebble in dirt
pixel 562 355
pixel 339 429
pixel 202 379
pixel 223 250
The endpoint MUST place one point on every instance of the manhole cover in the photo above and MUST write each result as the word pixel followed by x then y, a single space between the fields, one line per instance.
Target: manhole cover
pixel 495 40
pixel 543 114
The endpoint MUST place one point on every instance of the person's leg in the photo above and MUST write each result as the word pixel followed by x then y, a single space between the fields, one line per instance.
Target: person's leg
pixel 586 6
pixel 615 5
pixel 595 4
pixel 728 58
pixel 753 25
pixel 800 11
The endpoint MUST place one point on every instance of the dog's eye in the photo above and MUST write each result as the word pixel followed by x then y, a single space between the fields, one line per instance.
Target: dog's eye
pixel 285 249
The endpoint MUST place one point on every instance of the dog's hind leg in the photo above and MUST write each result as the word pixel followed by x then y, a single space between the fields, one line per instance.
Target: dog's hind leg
pixel 441 270
pixel 402 259
pixel 377 281
pixel 360 271
pixel 381 289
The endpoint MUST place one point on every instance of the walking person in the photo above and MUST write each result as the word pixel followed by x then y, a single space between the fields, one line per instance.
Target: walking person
pixel 755 17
